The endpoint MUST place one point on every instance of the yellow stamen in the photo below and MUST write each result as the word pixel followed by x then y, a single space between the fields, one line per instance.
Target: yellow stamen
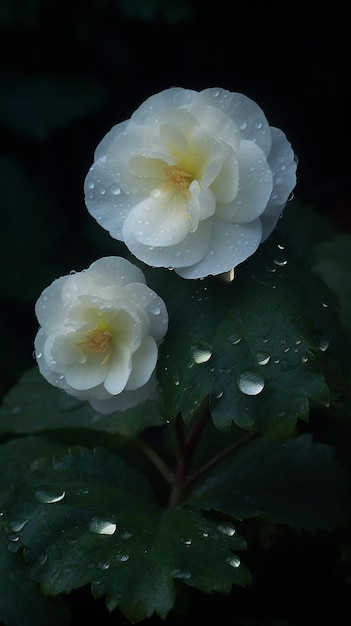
pixel 178 179
pixel 97 341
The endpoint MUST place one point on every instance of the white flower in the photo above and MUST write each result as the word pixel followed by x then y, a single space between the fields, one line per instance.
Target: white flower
pixel 99 334
pixel 193 180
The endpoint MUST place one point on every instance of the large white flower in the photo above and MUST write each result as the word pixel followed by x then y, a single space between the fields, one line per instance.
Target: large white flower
pixel 193 180
pixel 99 334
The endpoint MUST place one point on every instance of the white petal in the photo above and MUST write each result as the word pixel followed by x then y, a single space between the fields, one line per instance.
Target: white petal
pixel 256 183
pixel 117 270
pixel 120 367
pixel 154 306
pixel 124 400
pixel 246 114
pixel 225 186
pixel 230 245
pixel 159 221
pixel 187 252
pixel 143 364
pixel 49 306
pixel 217 123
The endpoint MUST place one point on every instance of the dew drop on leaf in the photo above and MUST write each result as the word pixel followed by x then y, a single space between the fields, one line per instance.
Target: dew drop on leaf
pixel 122 558
pixel 262 358
pixel 233 561
pixel 201 352
pixel 250 383
pixel 49 495
pixel 17 525
pixel 177 573
pixel 226 529
pixel 103 525
pixel 185 541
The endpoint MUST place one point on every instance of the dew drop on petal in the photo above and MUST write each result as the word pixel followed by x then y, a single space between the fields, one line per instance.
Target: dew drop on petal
pixel 250 383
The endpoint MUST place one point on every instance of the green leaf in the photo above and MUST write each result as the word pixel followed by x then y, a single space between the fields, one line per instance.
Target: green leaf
pixel 21 599
pixel 303 226
pixel 262 346
pixel 299 483
pixel 88 517
pixel 34 405
pixel 36 105
pixel 333 262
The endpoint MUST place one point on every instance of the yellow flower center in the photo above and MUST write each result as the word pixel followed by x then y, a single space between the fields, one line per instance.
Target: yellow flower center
pixel 97 341
pixel 178 179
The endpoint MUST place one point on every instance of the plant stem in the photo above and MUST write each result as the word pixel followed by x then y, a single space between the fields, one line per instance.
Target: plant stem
pixel 185 448
pixel 156 460
pixel 221 456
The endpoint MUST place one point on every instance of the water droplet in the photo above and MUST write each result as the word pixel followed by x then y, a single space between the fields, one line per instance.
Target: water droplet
pixel 262 358
pixel 201 352
pixel 177 573
pixel 49 495
pixel 115 190
pixel 103 565
pixel 226 529
pixel 13 537
pixel 42 558
pixel 185 541
pixel 155 309
pixel 17 525
pixel 13 547
pixel 218 393
pixel 103 525
pixel 122 558
pixel 233 561
pixel 234 338
pixel 323 343
pixel 250 383
pixel 280 262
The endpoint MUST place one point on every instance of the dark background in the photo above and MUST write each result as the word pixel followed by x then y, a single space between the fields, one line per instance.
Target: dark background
pixel 70 70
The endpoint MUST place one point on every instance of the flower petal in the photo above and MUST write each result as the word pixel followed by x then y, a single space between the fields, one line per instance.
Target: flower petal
pixel 230 245
pixel 159 221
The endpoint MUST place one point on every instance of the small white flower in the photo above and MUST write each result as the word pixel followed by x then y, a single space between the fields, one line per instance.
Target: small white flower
pixel 193 180
pixel 99 334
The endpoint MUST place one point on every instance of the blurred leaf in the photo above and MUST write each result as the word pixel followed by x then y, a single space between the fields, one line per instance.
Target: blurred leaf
pixel 299 483
pixel 7 12
pixel 333 263
pixel 172 11
pixel 37 105
pixel 34 405
pixel 263 346
pixel 27 235
pixel 88 517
